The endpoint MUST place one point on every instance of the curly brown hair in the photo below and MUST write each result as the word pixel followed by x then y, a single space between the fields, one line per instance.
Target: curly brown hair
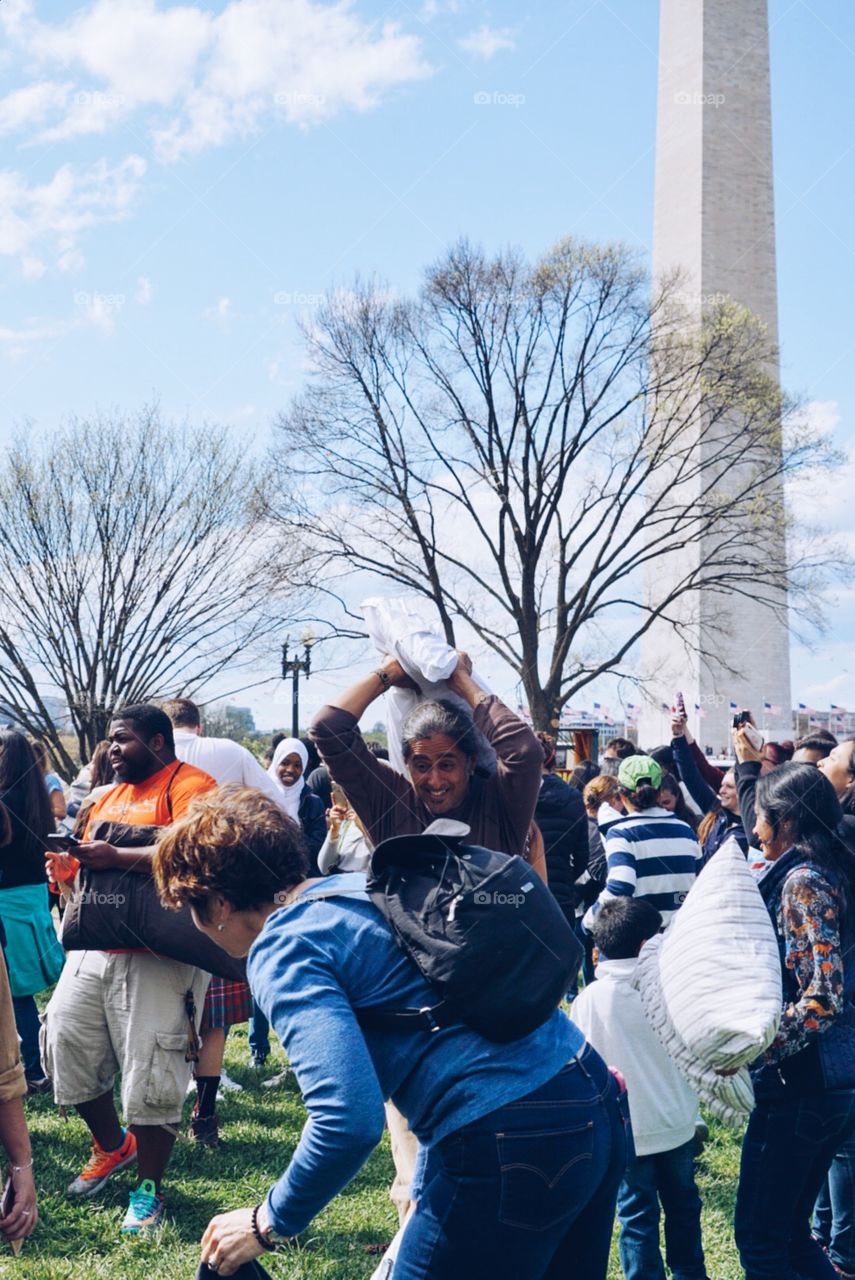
pixel 234 842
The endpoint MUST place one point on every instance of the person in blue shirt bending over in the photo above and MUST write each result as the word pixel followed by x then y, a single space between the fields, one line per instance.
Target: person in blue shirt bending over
pixel 524 1143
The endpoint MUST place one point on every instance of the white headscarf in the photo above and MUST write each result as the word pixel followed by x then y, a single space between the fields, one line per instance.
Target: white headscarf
pixel 290 795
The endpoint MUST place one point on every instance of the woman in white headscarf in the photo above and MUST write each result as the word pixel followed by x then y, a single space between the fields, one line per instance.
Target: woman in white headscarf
pixel 287 769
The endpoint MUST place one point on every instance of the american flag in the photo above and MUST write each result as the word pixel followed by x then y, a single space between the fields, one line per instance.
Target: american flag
pixel 701 711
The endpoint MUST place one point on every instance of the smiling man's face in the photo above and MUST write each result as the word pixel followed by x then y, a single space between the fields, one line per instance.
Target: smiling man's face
pixel 440 772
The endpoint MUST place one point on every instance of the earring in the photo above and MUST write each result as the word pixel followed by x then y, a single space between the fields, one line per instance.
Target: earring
pixel 221 927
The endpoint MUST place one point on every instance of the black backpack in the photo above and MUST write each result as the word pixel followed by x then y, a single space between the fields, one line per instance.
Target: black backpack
pixel 483 929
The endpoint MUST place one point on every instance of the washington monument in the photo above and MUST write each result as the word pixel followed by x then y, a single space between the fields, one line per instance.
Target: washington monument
pixel 714 219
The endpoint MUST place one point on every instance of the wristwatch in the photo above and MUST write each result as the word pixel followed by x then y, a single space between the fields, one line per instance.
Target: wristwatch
pixel 268 1236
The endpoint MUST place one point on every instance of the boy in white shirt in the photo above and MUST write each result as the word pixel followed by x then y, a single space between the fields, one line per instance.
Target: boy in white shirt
pixel 662 1107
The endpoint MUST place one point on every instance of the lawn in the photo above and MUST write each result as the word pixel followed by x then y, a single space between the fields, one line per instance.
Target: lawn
pixel 80 1241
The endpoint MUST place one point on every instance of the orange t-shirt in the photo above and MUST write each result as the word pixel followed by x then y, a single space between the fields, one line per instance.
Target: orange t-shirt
pixel 145 803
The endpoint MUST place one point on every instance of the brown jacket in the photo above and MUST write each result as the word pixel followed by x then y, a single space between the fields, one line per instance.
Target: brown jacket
pixel 12 1082
pixel 498 809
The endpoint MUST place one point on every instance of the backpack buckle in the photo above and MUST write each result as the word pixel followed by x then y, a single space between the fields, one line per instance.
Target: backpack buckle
pixel 433 1025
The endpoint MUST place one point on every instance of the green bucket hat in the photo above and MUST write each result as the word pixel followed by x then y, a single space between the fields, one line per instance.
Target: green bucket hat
pixel 635 770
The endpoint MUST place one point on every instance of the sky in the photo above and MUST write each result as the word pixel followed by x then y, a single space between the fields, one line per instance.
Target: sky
pixel 181 182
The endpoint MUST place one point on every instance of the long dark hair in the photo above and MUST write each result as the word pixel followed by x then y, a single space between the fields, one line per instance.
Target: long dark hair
pixel 847 799
pixel 24 793
pixel 800 799
pixel 682 810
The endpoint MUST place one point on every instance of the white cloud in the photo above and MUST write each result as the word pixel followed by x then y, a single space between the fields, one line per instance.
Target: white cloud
pixel 203 78
pixel 220 312
pixel 32 268
pixel 486 42
pixel 23 108
pixel 91 311
pixel 145 292
pixel 828 689
pixel 46 219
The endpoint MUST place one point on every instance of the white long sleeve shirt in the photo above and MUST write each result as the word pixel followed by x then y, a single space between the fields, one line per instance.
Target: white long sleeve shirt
pixel 610 1015
pixel 225 761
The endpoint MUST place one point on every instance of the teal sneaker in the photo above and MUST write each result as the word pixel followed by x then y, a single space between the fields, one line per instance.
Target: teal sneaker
pixel 145 1210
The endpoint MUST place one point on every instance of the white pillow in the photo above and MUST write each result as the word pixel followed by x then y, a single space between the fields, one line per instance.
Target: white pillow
pixel 409 628
pixel 711 984
pixel 729 1098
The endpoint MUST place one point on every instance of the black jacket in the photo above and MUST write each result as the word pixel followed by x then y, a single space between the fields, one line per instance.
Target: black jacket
pixel 313 820
pixel 560 814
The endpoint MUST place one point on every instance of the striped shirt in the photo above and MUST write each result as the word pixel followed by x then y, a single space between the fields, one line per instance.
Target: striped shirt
pixel 649 855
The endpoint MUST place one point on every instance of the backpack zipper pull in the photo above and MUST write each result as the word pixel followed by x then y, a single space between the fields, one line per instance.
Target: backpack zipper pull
pixel 452 910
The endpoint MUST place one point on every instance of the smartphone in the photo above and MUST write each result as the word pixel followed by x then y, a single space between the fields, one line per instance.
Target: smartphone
pixel 680 704
pixel 339 798
pixel 61 841
pixel 741 718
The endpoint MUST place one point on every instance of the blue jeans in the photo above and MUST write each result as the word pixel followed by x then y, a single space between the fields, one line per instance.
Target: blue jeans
pixel 528 1190
pixel 787 1151
pixel 834 1216
pixel 259 1028
pixel 27 1023
pixel 669 1177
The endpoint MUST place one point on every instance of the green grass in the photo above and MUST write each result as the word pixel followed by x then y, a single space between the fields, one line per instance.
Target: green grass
pixel 259 1128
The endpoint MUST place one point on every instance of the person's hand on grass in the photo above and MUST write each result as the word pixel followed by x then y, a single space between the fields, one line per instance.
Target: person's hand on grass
pixel 229 1241
pixel 24 1214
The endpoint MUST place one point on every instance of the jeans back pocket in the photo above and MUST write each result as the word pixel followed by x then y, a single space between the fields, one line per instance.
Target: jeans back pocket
pixel 545 1175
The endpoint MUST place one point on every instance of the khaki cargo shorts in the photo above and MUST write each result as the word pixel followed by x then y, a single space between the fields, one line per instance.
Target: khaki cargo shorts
pixel 122 1012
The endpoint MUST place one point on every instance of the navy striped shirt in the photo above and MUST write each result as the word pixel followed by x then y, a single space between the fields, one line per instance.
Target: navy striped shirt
pixel 650 855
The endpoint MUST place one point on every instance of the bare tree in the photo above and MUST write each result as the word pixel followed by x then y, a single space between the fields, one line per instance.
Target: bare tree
pixel 130 567
pixel 520 442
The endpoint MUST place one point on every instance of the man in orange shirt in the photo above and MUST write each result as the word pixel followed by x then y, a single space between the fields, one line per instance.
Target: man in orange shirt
pixel 128 1011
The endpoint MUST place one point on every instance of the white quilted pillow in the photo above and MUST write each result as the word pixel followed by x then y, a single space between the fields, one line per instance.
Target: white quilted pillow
pixel 729 1098
pixel 711 984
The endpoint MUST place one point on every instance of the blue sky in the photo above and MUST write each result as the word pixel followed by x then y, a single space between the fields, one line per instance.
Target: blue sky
pixel 179 181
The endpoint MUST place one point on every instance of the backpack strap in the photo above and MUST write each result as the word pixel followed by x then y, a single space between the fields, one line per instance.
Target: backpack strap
pixel 175 774
pixel 376 1017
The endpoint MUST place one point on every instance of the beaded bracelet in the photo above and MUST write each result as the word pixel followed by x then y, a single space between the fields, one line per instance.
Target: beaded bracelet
pixel 265 1244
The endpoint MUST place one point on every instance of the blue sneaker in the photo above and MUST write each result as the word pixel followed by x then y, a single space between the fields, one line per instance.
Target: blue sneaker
pixel 145 1210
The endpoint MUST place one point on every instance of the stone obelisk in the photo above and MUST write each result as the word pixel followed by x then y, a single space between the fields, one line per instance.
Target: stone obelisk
pixel 714 219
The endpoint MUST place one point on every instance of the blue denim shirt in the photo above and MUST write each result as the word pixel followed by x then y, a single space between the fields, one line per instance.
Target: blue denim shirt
pixel 315 962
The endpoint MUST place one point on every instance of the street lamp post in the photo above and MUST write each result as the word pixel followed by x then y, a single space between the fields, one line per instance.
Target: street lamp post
pixel 293 667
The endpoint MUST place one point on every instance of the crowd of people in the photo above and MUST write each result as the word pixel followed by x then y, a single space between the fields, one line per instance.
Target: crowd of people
pixel 512 1158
